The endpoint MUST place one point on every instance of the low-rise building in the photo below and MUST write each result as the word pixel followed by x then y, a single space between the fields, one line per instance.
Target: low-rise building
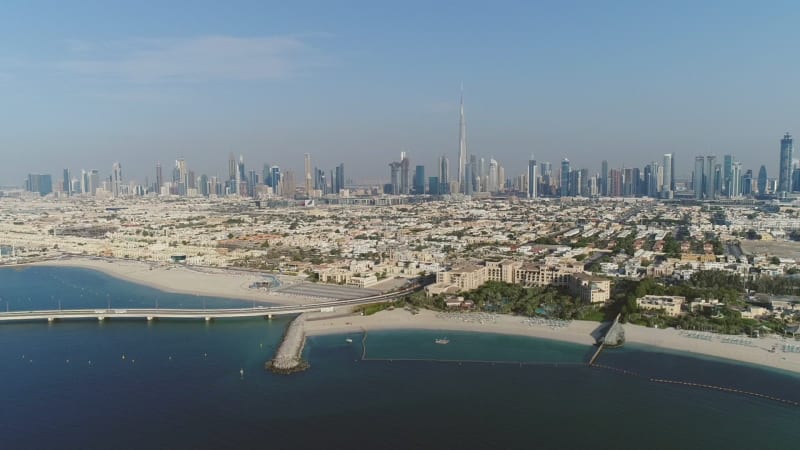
pixel 590 288
pixel 670 304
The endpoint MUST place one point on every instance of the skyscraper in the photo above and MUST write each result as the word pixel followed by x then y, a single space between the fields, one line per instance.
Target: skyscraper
pixel 747 183
pixel 565 189
pixel 66 183
pixel 735 183
pixel 339 179
pixel 41 183
pixel 666 186
pixel 232 167
pixel 394 177
pixel 462 148
pixel 698 176
pixel 604 177
pixel 419 180
pixel 492 184
pixel 308 179
pixel 275 176
pixel 159 179
pixel 672 172
pixel 785 164
pixel 762 180
pixel 444 174
pixel 116 179
pixel 710 177
pixel 727 174
pixel 405 174
pixel 532 178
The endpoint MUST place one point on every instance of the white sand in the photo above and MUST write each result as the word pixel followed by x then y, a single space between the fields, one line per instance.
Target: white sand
pixel 223 283
pixel 578 332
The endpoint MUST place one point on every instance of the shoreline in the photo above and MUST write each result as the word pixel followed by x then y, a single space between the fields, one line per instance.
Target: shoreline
pixel 577 332
pixel 205 282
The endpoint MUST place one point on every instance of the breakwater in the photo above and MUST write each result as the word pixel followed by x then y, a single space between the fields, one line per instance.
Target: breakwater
pixel 288 358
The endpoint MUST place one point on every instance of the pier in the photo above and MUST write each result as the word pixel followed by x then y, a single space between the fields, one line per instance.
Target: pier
pixel 614 337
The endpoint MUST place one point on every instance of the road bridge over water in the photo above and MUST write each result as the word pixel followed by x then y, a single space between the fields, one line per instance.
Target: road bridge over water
pixel 204 314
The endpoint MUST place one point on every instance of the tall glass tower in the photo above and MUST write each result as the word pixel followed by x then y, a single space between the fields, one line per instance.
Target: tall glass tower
pixel 666 184
pixel 565 178
pixel 699 173
pixel 532 178
pixel 785 164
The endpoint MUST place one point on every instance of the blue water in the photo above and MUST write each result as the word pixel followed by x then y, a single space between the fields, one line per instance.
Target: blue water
pixel 179 387
pixel 28 288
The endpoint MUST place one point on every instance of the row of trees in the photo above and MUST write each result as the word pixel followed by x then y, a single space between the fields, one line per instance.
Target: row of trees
pixel 505 298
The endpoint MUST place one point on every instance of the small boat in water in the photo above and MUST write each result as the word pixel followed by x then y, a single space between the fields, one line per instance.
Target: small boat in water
pixel 442 341
pixel 349 341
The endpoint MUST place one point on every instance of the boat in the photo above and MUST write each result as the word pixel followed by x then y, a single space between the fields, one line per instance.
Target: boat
pixel 349 341
pixel 442 341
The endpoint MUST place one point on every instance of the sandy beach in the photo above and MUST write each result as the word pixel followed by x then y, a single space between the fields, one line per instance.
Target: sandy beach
pixel 578 332
pixel 178 279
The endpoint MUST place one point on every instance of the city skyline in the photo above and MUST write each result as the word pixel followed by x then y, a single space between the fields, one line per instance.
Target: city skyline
pixel 584 83
pixel 708 180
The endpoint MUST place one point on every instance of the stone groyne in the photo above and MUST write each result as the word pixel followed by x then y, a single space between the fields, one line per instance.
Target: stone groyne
pixel 288 359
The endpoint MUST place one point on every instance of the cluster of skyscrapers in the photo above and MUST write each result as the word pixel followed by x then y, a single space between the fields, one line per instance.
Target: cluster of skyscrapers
pixel 710 179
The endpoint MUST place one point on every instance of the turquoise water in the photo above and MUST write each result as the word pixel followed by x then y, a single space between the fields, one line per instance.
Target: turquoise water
pixel 179 387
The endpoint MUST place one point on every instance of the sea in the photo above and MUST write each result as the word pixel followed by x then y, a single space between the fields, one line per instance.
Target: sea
pixel 132 384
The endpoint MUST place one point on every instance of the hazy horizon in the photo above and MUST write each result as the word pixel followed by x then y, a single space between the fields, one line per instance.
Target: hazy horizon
pixel 87 85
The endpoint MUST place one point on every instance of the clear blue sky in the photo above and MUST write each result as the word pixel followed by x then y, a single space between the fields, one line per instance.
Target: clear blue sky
pixel 87 83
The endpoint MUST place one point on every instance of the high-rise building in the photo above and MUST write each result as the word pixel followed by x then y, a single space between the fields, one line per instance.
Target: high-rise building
pixel 419 180
pixel 275 176
pixel 698 177
pixel 565 188
pixel 41 183
pixel 434 186
pixel 533 179
pixel 727 174
pixel 651 179
pixel 666 186
pixel 575 182
pixel 710 178
pixel 394 177
pixel 66 183
pixel 308 178
pixel 444 174
pixel 266 177
pixel 469 179
pixel 159 179
pixel 672 172
pixel 205 187
pixel 116 179
pixel 405 174
pixel 232 167
pixel 287 184
pixel 762 180
pixel 735 182
pixel 492 183
pixel 462 148
pixel 785 164
pixel 747 183
pixel 339 179
pixel 615 183
pixel 604 178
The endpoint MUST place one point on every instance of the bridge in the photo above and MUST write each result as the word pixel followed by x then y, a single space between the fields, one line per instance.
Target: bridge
pixel 150 314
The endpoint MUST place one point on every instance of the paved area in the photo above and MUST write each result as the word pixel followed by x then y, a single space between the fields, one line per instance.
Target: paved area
pixel 781 249
pixel 329 291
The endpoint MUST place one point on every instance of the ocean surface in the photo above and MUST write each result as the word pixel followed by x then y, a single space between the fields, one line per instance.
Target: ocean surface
pixel 177 384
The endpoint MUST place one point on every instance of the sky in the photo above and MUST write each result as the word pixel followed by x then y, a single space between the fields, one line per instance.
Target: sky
pixel 86 83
